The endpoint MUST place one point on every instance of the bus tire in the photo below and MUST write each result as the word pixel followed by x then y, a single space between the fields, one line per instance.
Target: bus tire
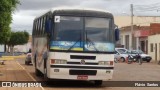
pixel 45 73
pixel 37 72
pixel 98 82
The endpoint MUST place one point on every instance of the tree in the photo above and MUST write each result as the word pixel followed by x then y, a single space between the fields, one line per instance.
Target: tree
pixel 18 38
pixel 6 9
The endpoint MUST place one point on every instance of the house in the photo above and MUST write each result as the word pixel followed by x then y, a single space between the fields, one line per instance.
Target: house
pixel 154 42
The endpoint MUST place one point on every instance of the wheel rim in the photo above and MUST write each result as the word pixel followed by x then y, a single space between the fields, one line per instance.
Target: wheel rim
pixel 122 59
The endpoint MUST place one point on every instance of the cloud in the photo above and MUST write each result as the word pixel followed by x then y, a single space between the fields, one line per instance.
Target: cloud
pixel 45 4
pixel 29 9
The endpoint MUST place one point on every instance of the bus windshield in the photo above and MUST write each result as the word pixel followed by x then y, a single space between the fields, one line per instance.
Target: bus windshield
pixel 82 34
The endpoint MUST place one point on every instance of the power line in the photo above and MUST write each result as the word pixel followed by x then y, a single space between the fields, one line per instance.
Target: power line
pixel 147 5
pixel 145 8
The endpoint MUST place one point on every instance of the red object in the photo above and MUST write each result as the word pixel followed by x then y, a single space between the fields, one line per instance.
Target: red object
pixel 52 61
pixel 82 77
pixel 154 28
pixel 142 33
pixel 126 59
pixel 111 62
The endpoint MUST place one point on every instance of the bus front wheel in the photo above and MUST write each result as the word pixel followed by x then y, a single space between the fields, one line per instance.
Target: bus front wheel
pixel 37 72
pixel 98 82
pixel 48 80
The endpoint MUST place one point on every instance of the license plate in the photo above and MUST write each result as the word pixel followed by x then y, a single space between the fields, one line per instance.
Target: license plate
pixel 82 77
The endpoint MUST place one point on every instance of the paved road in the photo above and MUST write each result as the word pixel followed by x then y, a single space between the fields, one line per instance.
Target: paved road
pixel 13 71
pixel 122 72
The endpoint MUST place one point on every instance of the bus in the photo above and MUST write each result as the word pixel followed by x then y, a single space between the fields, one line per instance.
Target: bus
pixel 74 44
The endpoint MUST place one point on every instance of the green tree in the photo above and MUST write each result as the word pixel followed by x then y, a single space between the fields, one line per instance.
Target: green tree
pixel 26 34
pixel 18 38
pixel 6 9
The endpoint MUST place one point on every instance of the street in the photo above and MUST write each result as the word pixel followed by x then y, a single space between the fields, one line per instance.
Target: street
pixel 18 71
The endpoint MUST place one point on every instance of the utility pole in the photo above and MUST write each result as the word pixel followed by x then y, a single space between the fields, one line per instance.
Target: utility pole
pixel 131 36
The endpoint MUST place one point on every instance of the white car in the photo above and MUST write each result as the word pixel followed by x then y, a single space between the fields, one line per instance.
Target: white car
pixel 120 54
pixel 28 58
pixel 144 56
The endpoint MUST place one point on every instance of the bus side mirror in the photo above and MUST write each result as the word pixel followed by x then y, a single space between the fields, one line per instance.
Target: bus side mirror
pixel 116 34
pixel 48 26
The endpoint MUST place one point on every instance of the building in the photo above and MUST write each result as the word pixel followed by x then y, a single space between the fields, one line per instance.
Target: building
pixel 153 42
pixel 139 37
pixel 141 31
pixel 144 38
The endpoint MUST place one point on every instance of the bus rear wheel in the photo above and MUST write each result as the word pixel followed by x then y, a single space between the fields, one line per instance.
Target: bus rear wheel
pixel 98 82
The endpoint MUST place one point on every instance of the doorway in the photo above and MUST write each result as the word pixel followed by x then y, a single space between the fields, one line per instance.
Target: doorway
pixel 146 46
pixel 127 41
pixel 156 52
pixel 159 52
pixel 143 46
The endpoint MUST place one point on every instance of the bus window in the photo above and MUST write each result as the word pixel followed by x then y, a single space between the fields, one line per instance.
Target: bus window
pixel 69 28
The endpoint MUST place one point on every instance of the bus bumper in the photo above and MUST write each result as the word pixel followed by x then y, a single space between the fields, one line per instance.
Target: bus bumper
pixel 80 74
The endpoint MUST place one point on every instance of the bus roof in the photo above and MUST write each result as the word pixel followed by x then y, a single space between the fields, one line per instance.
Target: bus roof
pixel 73 9
pixel 69 8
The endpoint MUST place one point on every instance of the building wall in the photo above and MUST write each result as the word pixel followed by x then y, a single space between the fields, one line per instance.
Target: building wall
pixel 153 39
pixel 22 48
pixel 125 38
pixel 25 47
pixel 1 48
pixel 125 35
pixel 123 21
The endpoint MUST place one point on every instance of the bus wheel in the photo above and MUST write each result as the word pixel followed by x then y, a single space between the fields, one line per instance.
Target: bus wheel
pixel 37 72
pixel 45 74
pixel 98 82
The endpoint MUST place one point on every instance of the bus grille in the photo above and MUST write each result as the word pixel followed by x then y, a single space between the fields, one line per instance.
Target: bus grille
pixel 83 72
pixel 82 57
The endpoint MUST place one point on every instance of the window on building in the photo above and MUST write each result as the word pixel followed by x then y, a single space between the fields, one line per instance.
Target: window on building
pixel 151 47
pixel 121 40
pixel 127 41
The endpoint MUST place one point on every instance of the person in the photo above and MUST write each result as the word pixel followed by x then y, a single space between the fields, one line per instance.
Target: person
pixel 139 59
pixel 29 50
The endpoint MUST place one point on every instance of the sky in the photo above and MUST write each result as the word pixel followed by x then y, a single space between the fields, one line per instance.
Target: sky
pixel 25 13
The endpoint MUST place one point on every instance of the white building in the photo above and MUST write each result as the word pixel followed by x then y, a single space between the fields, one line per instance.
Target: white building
pixel 154 47
pixel 140 40
pixel 25 47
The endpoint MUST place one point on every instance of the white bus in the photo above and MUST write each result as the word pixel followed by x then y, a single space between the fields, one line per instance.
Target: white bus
pixel 74 44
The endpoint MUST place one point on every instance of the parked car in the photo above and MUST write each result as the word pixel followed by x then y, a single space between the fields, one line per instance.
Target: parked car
pixel 28 57
pixel 120 54
pixel 144 56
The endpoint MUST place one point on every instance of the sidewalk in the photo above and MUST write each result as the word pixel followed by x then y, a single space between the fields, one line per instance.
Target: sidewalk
pixel 13 71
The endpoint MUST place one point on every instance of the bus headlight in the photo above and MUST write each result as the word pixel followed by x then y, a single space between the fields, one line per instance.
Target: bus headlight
pixel 105 63
pixel 58 61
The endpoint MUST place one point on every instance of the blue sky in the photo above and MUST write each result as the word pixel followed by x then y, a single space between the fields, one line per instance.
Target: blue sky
pixel 29 9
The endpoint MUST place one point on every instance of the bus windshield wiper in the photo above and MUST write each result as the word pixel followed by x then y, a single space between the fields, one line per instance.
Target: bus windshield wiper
pixel 92 43
pixel 74 44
